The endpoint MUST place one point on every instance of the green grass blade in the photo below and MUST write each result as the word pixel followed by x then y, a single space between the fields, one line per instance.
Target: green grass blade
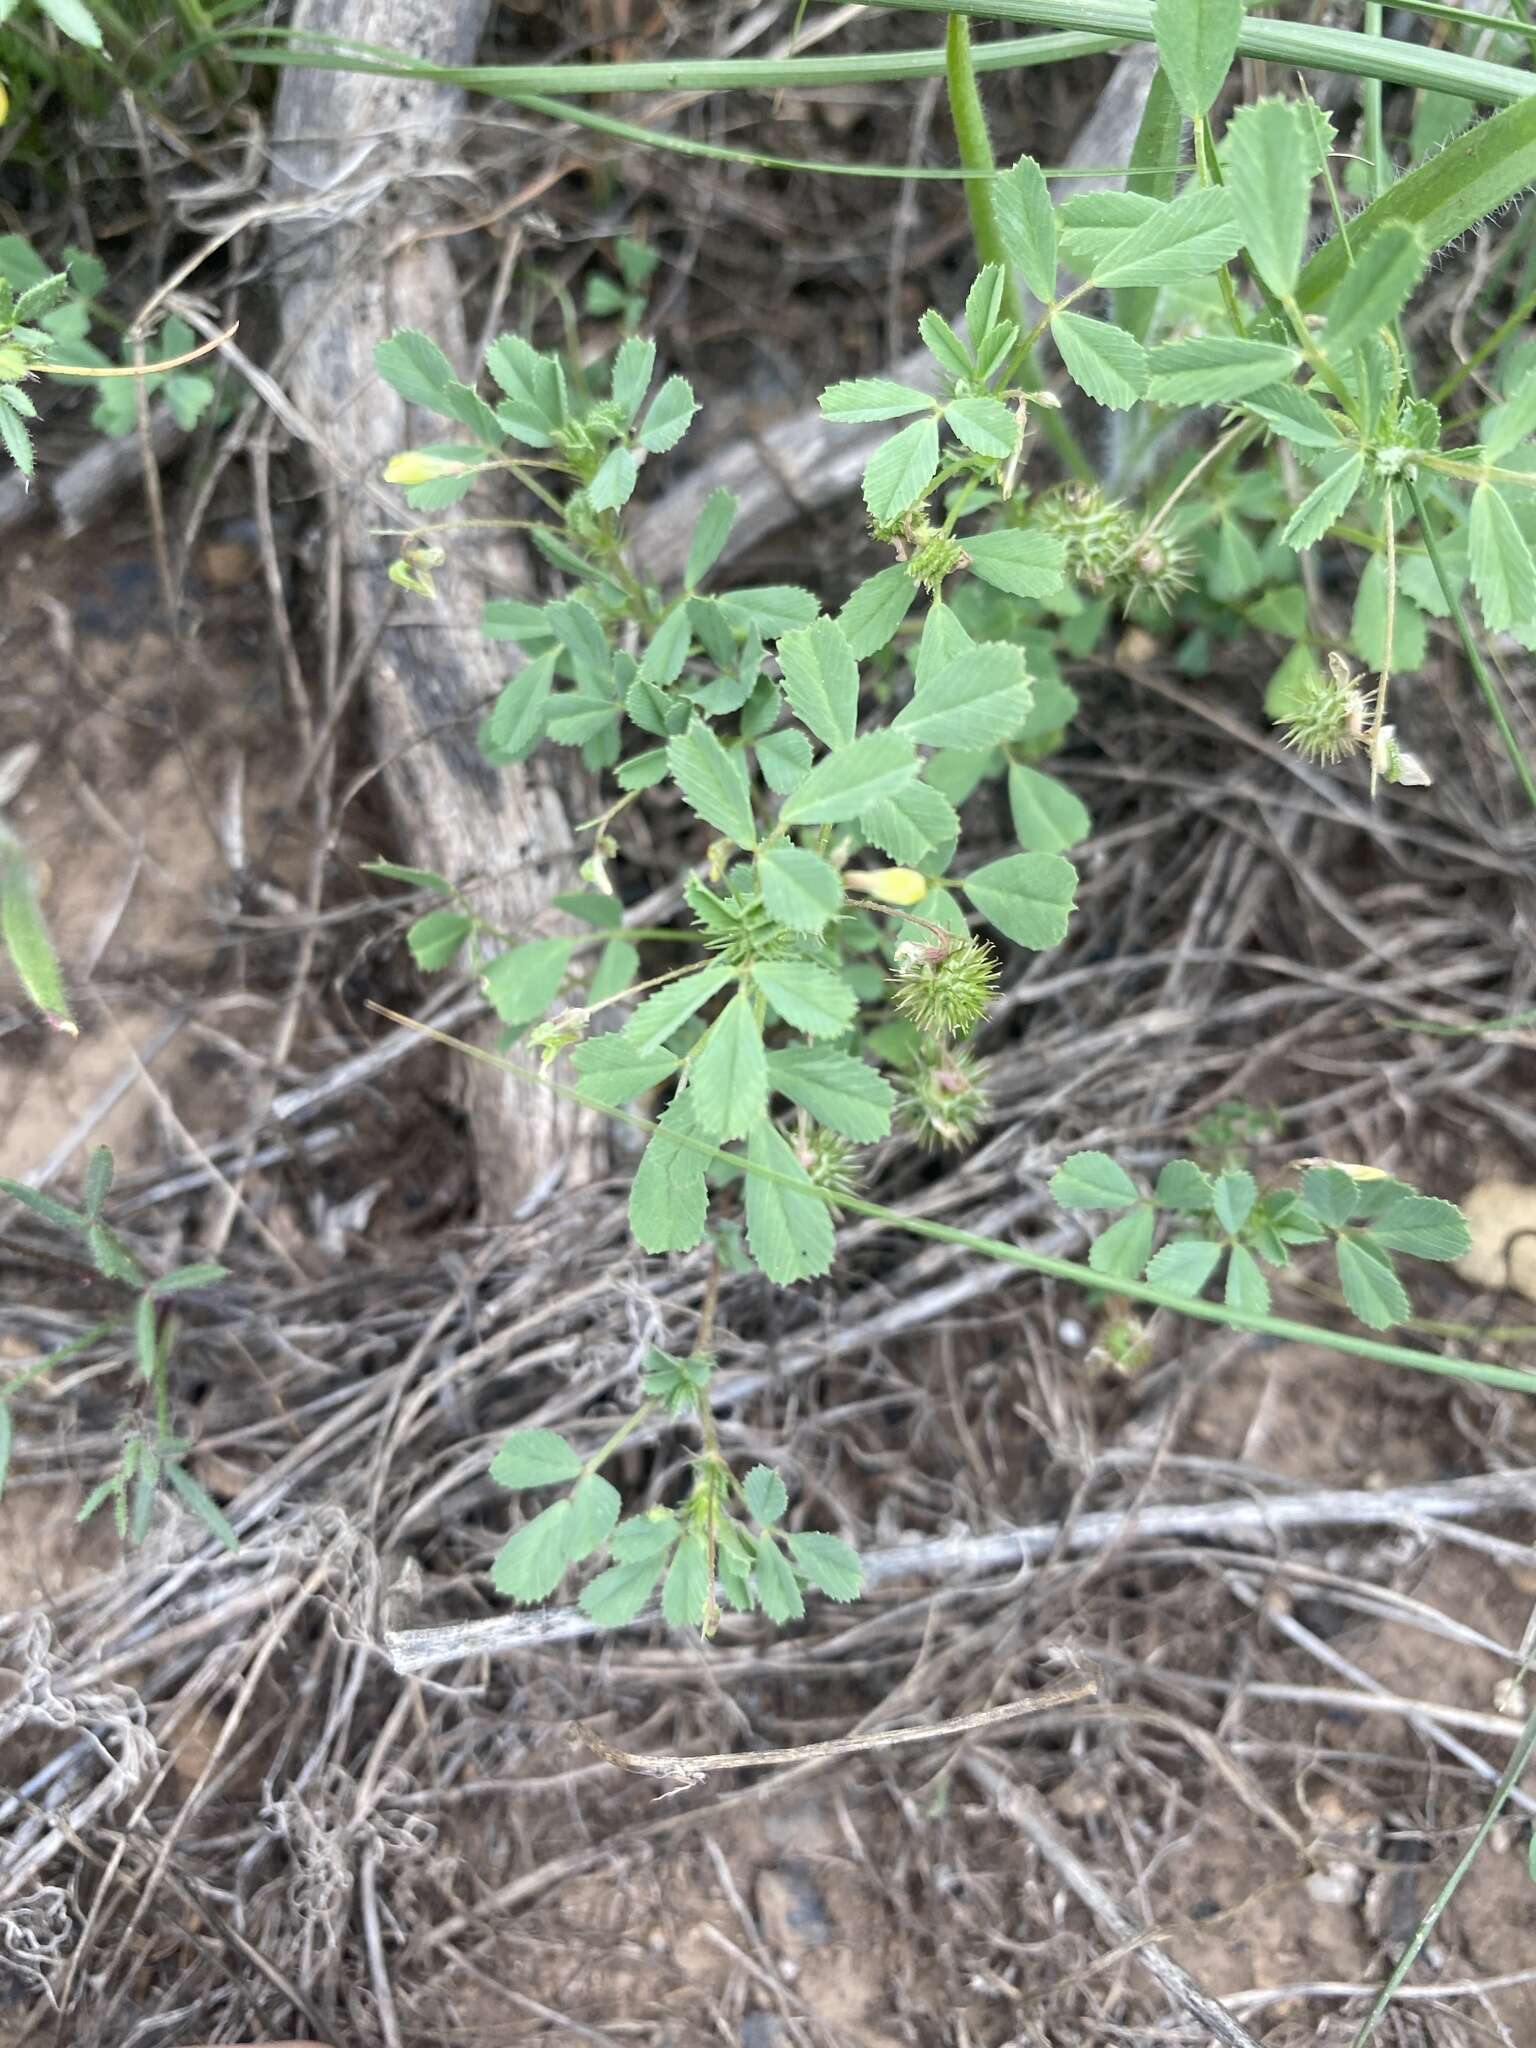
pixel 1473 176
pixel 1083 27
pixel 1011 1254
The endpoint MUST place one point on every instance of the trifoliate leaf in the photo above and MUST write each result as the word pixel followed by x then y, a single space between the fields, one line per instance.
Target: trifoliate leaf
pixel 1105 361
pixel 901 469
pixel 1028 897
pixel 831 1565
pixel 838 1090
pixel 809 998
pixel 766 1497
pixel 535 1457
pixel 713 782
pixel 669 1197
pixel 1092 1180
pixel 1330 1194
pixel 790 1233
pixel 1158 244
pixel 729 1089
pixel 800 889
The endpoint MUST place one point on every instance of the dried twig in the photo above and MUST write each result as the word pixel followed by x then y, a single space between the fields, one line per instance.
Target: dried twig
pixel 692 1770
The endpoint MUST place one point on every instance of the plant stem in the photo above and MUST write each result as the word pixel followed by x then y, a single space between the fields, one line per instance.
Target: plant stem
pixel 625 1430
pixel 975 146
pixel 1485 681
pixel 1069 1270
pixel 1370 95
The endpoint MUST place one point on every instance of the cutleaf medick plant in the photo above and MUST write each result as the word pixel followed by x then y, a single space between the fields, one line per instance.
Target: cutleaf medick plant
pixel 153 1455
pixel 830 979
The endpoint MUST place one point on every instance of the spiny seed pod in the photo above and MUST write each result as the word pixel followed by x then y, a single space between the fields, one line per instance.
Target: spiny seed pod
pixel 1327 715
pixel 1097 532
pixel 946 987
pixel 944 1101
pixel 831 1162
pixel 1156 567
pixel 934 555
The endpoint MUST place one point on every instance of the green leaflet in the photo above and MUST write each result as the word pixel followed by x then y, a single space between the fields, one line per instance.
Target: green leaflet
pixel 901 469
pixel 876 765
pixel 790 1234
pixel 840 1091
pixel 1321 507
pixel 1268 159
pixel 26 939
pixel 729 1074
pixel 977 701
pixel 809 998
pixel 1375 288
pixel 799 888
pixel 1026 221
pixel 1196 43
pixel 1028 896
pixel 669 1197
pixel 1503 573
pixel 713 782
pixel 821 681
pixel 1105 361
pixel 1215 369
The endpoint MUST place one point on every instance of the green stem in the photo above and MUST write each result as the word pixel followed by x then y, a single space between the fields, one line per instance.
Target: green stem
pixel 975 146
pixel 1485 681
pixel 1495 341
pixel 1512 1775
pixel 997 1248
pixel 1370 94
pixel 625 1430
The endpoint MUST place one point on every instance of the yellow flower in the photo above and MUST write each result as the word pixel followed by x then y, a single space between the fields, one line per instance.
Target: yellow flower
pixel 900 887
pixel 416 466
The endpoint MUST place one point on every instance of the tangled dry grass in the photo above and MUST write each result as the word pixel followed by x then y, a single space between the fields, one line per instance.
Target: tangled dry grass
pixel 228 1816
